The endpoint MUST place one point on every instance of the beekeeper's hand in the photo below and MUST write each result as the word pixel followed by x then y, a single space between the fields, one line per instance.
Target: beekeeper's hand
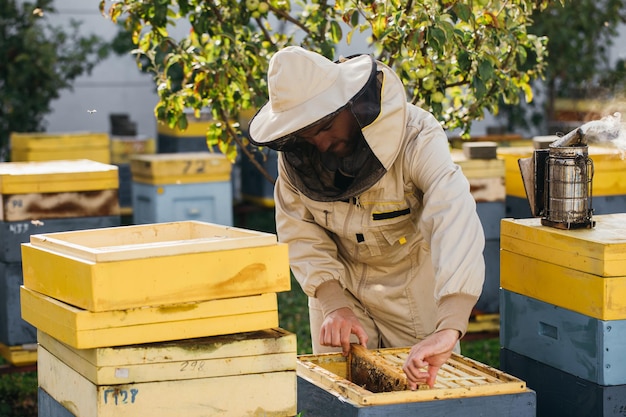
pixel 337 328
pixel 426 357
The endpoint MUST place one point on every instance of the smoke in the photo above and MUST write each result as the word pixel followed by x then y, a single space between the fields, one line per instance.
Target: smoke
pixel 608 130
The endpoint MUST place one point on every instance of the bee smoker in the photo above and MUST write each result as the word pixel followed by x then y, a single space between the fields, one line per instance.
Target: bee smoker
pixel 558 182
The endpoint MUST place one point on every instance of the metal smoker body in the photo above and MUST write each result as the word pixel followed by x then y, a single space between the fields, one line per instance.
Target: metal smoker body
pixel 558 183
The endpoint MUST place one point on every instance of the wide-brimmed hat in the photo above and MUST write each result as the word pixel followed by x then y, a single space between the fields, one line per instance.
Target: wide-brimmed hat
pixel 305 86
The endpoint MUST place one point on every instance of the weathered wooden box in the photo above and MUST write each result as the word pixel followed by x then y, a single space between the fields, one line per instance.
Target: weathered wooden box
pixel 180 168
pixel 562 394
pixel 583 346
pixel 155 264
pixel 58 146
pixel 84 329
pixel 372 383
pixel 583 270
pixel 266 350
pixel 249 373
pixel 57 189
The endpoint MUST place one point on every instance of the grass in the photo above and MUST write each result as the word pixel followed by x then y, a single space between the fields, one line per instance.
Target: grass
pixel 18 390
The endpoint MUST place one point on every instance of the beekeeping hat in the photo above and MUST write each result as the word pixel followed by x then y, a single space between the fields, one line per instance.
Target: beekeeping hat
pixel 304 87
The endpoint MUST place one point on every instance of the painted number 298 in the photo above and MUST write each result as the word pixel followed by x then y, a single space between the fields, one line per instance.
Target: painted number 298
pixel 192 366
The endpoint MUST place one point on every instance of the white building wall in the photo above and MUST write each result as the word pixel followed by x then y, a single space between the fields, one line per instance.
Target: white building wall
pixel 115 85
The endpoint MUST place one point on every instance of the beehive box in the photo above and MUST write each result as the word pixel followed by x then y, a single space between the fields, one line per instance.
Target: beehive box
pixel 20 355
pixel 180 168
pixel 84 329
pixel 372 383
pixel 255 188
pixel 204 201
pixel 53 189
pixel 155 264
pixel 609 179
pixel 256 352
pixel 192 139
pixel 266 393
pixel 486 176
pixel 562 394
pixel 582 270
pixel 13 234
pixel 59 146
pixel 13 329
pixel 124 147
pixel 588 348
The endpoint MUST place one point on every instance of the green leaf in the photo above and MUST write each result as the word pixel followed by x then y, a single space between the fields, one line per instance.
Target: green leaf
pixel 335 31
pixel 463 11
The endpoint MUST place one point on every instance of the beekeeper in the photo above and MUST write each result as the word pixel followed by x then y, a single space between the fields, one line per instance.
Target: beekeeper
pixel 383 232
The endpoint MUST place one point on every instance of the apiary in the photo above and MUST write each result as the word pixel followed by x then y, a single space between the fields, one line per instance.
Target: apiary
pixel 181 186
pixel 83 329
pixel 124 147
pixel 14 330
pixel 190 139
pixel 562 394
pixel 154 264
pixel 580 345
pixel 255 188
pixel 486 180
pixel 609 180
pixel 57 189
pixel 251 373
pixel 581 270
pixel 60 146
pixel 372 383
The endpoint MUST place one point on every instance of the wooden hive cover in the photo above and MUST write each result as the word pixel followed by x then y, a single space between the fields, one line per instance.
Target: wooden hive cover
pixel 153 264
pixel 55 142
pixel 181 167
pixel 375 377
pixel 57 176
pixel 600 251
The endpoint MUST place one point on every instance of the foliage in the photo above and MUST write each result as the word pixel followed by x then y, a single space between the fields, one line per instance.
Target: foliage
pixel 18 394
pixel 38 61
pixel 580 34
pixel 457 58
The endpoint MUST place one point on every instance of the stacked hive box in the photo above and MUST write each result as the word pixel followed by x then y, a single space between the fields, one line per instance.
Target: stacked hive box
pixel 486 178
pixel 43 197
pixel 163 319
pixel 122 148
pixel 191 139
pixel 563 314
pixel 255 188
pixel 181 186
pixel 609 180
pixel 60 146
pixel 372 383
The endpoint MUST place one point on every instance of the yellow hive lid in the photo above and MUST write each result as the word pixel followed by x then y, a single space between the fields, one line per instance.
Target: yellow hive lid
pixel 57 176
pixel 600 250
pixel 58 141
pixel 150 240
pixel 182 167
